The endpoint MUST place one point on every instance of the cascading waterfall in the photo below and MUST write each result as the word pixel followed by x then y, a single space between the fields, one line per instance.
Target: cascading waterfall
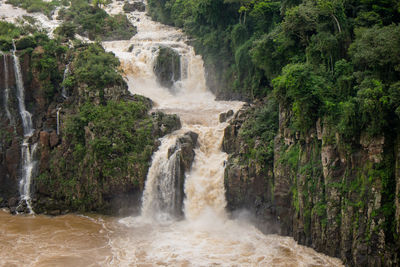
pixel 27 150
pixel 197 109
pixel 159 197
pixel 6 89
pixel 207 237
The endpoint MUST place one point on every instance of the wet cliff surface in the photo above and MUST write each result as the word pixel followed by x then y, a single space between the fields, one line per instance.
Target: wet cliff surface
pixel 340 198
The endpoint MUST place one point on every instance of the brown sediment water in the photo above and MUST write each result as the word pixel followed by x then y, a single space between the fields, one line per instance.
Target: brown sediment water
pixel 74 240
pixel 59 241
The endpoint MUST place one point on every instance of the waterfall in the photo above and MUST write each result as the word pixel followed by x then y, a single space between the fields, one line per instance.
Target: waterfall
pixel 58 121
pixel 27 151
pixel 159 197
pixel 25 115
pixel 66 71
pixel 6 89
pixel 199 113
pixel 28 167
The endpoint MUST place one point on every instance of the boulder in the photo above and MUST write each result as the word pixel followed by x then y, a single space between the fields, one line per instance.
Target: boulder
pixel 225 115
pixel 135 6
pixel 181 157
pixel 167 67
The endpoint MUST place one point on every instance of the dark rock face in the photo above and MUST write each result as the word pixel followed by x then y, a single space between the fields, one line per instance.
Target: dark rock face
pixel 10 134
pixel 319 192
pixel 164 124
pixel 168 67
pixel 248 184
pixel 223 117
pixel 217 84
pixel 183 154
pixel 135 6
pixel 53 150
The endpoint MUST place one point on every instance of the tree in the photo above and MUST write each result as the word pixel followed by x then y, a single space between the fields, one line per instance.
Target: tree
pixel 377 49
pixel 99 3
pixel 303 89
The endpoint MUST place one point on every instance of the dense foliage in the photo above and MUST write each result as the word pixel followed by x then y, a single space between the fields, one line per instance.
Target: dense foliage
pixel 83 17
pixel 332 61
pixel 8 32
pixel 332 58
pixel 96 68
pixel 108 146
pixel 45 7
pixel 93 22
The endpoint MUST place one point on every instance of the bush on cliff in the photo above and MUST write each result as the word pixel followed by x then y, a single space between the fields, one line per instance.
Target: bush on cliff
pixel 8 32
pixel 94 23
pixel 46 7
pixel 247 44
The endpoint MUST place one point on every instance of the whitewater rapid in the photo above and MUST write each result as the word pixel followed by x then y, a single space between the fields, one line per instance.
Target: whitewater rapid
pixel 206 237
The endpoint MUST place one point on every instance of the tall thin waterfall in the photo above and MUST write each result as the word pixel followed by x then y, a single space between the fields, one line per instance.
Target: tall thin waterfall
pixel 25 115
pixel 28 167
pixel 6 89
pixel 27 150
pixel 58 121
pixel 66 72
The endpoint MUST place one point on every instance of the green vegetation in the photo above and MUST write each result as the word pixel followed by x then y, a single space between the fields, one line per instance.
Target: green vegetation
pixel 110 148
pixel 259 131
pixel 336 61
pixel 167 67
pixel 326 58
pixel 93 22
pixel 83 17
pixel 96 68
pixel 44 55
pixel 107 140
pixel 8 32
pixel 44 7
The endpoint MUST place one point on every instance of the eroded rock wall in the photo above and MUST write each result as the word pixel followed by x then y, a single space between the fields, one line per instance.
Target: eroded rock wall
pixel 338 197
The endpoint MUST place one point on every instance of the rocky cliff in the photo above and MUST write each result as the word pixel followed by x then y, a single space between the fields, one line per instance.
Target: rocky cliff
pixel 341 198
pixel 94 144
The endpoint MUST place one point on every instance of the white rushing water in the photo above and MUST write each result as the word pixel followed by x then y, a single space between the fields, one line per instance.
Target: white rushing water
pixel 25 115
pixel 27 150
pixel 58 121
pixel 6 90
pixel 159 197
pixel 66 72
pixel 28 167
pixel 206 237
pixel 13 14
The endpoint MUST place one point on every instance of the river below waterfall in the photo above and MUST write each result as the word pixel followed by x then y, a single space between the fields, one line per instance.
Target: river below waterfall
pixel 206 236
pixel 74 240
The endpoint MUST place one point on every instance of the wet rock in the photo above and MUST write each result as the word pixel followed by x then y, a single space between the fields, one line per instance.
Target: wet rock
pixel 54 139
pixel 13 159
pixel 13 202
pixel 183 154
pixel 54 212
pixel 135 6
pixel 225 115
pixel 167 67
pixel 44 139
pixel 165 123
